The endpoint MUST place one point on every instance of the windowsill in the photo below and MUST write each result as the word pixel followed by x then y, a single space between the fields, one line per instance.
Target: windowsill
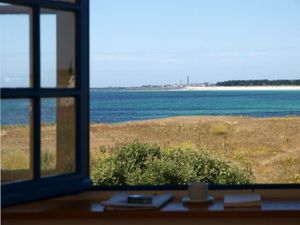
pixel 275 204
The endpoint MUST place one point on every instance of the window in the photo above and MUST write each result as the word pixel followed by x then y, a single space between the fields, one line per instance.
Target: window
pixel 44 99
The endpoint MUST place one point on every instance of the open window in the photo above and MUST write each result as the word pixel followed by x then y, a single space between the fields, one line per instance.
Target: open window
pixel 44 80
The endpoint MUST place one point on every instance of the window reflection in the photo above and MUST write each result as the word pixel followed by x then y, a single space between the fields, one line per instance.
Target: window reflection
pixel 58 49
pixel 15 53
pixel 16 140
pixel 58 136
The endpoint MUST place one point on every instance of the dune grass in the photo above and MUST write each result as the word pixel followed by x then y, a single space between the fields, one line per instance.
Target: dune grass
pixel 269 146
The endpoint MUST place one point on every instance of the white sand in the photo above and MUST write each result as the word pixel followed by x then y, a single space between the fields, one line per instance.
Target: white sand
pixel 242 88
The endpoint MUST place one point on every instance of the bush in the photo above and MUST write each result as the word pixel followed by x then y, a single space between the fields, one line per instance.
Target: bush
pixel 144 164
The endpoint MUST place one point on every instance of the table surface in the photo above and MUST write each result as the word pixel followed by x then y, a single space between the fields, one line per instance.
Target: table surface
pixel 81 207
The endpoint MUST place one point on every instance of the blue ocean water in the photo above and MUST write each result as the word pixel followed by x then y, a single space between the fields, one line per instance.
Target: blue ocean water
pixel 111 105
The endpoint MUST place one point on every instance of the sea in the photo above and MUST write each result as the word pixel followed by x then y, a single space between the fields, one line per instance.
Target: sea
pixel 122 105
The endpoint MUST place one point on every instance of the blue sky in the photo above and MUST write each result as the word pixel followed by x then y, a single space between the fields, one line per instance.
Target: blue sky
pixel 137 42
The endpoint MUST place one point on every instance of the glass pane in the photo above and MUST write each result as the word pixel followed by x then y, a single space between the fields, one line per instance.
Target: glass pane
pixel 15 45
pixel 57 49
pixel 16 140
pixel 58 136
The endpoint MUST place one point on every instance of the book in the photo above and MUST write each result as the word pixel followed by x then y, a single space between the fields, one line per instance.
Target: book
pixel 242 200
pixel 119 201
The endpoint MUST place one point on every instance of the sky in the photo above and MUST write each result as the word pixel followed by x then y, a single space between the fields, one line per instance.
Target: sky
pixel 136 42
pixel 140 42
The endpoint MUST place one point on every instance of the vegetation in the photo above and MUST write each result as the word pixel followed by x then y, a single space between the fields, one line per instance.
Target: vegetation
pixel 269 146
pixel 258 82
pixel 144 164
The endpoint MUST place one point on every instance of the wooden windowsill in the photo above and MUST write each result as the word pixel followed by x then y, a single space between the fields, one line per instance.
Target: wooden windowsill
pixel 87 205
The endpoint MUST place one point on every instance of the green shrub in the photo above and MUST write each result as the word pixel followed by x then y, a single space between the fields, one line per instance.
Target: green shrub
pixel 130 157
pixel 144 164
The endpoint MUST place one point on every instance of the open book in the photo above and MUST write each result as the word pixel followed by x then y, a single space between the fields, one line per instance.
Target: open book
pixel 242 200
pixel 119 201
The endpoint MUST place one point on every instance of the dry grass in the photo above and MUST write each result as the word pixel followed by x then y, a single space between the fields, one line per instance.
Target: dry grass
pixel 271 146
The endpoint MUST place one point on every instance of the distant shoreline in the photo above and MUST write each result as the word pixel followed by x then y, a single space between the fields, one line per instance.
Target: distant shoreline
pixel 192 117
pixel 205 88
pixel 242 88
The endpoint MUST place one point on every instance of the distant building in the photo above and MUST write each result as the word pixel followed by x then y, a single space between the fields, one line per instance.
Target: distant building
pixel 188 81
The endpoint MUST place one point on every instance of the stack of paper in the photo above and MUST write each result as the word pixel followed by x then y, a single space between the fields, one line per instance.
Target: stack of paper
pixel 245 200
pixel 119 201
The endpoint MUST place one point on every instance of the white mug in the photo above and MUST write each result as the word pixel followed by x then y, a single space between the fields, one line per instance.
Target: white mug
pixel 198 191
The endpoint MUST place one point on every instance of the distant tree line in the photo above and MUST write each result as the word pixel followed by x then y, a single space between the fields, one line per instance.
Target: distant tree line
pixel 258 82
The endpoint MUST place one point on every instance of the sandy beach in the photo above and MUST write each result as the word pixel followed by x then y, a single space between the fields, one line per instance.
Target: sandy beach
pixel 242 88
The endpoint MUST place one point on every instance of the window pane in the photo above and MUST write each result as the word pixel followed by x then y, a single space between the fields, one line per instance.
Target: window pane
pixel 57 49
pixel 15 45
pixel 58 136
pixel 16 140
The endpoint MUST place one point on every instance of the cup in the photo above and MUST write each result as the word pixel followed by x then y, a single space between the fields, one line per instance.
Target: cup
pixel 198 191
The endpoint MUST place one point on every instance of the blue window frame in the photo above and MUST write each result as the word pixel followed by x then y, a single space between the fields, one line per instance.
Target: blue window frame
pixel 39 186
